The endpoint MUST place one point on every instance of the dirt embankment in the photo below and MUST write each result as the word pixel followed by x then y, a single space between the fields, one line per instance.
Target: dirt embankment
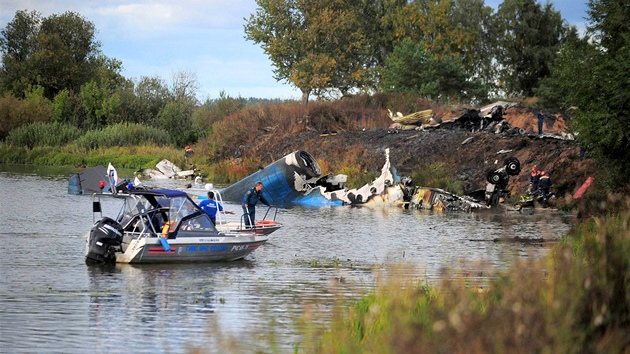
pixel 469 163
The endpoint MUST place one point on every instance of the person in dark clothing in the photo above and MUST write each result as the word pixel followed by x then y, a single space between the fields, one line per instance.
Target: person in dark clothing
pixel 545 186
pixel 541 119
pixel 249 203
pixel 534 178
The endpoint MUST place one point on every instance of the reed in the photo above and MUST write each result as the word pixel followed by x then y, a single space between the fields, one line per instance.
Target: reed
pixel 575 300
pixel 123 134
pixel 43 134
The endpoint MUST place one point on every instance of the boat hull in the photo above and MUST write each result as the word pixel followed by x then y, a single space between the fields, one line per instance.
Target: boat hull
pixel 189 249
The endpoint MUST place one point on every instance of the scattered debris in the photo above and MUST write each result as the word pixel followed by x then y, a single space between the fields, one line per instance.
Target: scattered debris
pixel 165 170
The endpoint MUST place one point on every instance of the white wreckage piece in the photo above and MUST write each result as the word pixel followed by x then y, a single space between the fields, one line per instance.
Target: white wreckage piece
pixel 386 190
pixel 166 170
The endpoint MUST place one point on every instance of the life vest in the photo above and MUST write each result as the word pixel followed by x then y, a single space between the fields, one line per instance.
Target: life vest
pixel 169 225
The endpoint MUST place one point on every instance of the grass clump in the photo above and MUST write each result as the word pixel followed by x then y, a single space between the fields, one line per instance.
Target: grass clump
pixel 123 134
pixel 436 175
pixel 575 300
pixel 43 134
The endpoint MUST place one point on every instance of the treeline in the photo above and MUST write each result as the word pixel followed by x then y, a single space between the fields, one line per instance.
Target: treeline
pixel 53 72
pixel 447 50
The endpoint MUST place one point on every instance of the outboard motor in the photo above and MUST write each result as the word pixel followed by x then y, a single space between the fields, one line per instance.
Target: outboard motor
pixel 104 237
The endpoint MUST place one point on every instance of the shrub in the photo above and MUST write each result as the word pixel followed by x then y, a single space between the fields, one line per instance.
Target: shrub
pixel 43 134
pixel 123 134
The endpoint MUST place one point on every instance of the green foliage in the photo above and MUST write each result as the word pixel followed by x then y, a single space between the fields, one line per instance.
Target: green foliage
pixel 123 134
pixel 61 106
pixel 18 44
pixel 436 175
pixel 57 52
pixel 575 300
pixel 593 77
pixel 528 38
pixel 151 95
pixel 315 45
pixel 414 69
pixel 43 134
pixel 176 119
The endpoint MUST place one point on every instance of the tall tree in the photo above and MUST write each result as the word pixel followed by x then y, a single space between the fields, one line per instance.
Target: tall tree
pixel 413 68
pixel 68 51
pixel 315 45
pixel 57 52
pixel 530 36
pixel 18 44
pixel 593 75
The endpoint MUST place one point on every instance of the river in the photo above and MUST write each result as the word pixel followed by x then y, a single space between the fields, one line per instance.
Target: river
pixel 50 301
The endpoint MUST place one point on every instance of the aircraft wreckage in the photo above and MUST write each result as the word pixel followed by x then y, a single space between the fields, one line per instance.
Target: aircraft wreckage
pixel 296 179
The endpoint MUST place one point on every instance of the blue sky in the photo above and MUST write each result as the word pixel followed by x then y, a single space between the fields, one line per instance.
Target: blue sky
pixel 203 37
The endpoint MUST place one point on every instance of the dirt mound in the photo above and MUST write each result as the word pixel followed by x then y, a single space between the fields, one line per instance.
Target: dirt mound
pixel 526 118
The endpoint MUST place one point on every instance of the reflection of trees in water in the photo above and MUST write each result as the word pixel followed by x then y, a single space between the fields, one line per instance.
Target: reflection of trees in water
pixel 148 299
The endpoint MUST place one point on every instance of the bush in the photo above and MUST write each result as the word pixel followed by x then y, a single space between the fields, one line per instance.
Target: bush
pixel 123 134
pixel 43 134
pixel 575 300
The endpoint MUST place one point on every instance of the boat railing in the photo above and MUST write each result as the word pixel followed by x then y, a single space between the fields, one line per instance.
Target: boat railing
pixel 242 220
pixel 275 213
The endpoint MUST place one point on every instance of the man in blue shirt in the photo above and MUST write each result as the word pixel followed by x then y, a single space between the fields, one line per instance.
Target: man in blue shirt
pixel 210 207
pixel 249 203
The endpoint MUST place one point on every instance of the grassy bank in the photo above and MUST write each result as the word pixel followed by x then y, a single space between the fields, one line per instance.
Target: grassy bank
pixel 129 157
pixel 575 300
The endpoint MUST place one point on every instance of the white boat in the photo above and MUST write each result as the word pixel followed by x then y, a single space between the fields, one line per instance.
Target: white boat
pixel 163 226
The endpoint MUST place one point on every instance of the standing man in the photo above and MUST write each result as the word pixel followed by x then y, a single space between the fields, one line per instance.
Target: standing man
pixel 249 203
pixel 210 207
pixel 541 119
pixel 545 186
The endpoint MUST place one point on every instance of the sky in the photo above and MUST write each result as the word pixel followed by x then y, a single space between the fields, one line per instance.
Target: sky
pixel 202 37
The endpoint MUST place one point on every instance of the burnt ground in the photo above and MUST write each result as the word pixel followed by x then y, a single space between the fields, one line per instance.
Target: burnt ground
pixel 469 163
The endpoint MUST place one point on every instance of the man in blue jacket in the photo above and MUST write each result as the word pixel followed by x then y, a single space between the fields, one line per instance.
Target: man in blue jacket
pixel 210 206
pixel 249 203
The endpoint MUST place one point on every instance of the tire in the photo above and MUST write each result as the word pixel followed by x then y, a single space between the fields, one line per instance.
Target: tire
pixel 494 177
pixel 512 166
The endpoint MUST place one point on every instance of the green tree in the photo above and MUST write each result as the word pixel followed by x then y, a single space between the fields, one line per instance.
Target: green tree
pixel 316 45
pixel 57 52
pixel 175 118
pixel 593 75
pixel 152 95
pixel 412 68
pixel 529 36
pixel 18 44
pixel 67 53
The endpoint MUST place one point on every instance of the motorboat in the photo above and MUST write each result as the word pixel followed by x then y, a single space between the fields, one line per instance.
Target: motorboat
pixel 163 226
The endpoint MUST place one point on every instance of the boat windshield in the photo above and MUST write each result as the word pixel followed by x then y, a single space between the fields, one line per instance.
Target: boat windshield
pixel 182 208
pixel 162 209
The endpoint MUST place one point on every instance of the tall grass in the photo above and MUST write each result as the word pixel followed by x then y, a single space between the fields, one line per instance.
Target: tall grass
pixel 43 134
pixel 575 300
pixel 131 157
pixel 123 134
pixel 436 175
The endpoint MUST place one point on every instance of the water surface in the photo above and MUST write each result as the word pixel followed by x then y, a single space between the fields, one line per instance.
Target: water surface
pixel 50 301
